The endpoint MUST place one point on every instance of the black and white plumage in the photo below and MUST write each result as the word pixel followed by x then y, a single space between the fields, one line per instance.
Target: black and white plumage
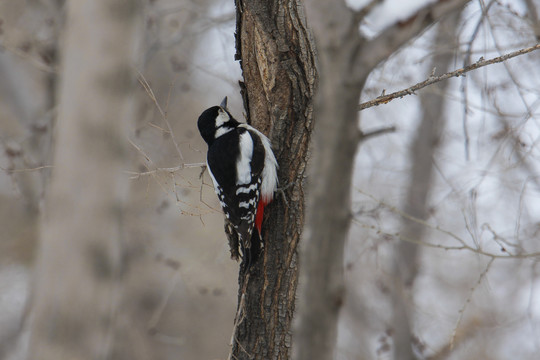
pixel 243 169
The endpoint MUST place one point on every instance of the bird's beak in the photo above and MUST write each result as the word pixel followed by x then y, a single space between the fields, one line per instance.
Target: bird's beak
pixel 224 103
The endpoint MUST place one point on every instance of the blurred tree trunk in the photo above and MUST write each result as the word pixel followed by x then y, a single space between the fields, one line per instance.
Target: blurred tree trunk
pixel 81 260
pixel 425 143
pixel 30 137
pixel 277 59
pixel 345 61
pixel 27 109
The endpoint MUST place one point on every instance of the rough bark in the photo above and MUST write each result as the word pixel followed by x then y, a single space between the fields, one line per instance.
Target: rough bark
pixel 345 61
pixel 81 261
pixel 277 59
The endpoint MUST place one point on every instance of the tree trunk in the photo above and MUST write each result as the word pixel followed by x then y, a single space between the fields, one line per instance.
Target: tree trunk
pixel 328 216
pixel 81 261
pixel 277 59
pixel 425 143
pixel 345 61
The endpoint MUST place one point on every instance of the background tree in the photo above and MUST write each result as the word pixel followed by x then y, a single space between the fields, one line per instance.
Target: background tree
pixel 346 59
pixel 453 204
pixel 158 241
pixel 76 310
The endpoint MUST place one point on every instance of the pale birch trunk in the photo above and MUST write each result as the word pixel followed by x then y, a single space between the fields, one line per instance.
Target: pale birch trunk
pixel 81 262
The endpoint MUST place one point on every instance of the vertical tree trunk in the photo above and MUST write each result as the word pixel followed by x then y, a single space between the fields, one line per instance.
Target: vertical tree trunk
pixel 277 59
pixel 425 143
pixel 328 216
pixel 81 261
pixel 345 61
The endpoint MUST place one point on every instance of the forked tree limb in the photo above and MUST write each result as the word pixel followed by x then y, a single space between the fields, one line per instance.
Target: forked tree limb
pixel 398 34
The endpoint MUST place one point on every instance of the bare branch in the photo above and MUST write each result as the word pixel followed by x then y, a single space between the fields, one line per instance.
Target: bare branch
pixel 463 246
pixel 12 171
pixel 462 243
pixel 136 175
pixel 435 79
pixel 372 133
pixel 150 92
pixel 468 300
pixel 142 80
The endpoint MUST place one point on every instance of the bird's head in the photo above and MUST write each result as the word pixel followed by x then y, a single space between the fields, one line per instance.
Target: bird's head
pixel 215 122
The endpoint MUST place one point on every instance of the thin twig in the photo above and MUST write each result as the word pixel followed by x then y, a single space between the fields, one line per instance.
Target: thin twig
pixel 140 150
pixel 174 169
pixel 372 133
pixel 142 80
pixel 150 92
pixel 11 171
pixel 463 245
pixel 435 79
pixel 468 300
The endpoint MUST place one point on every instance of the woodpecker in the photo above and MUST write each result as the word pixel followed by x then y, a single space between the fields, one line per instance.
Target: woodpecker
pixel 243 169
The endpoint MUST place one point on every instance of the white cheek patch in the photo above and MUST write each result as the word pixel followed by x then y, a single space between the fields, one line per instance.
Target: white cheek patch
pixel 222 118
pixel 243 164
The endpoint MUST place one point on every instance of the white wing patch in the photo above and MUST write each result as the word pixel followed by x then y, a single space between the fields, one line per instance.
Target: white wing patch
pixel 243 167
pixel 269 174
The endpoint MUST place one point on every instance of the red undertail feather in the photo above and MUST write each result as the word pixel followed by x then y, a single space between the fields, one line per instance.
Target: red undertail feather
pixel 260 213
